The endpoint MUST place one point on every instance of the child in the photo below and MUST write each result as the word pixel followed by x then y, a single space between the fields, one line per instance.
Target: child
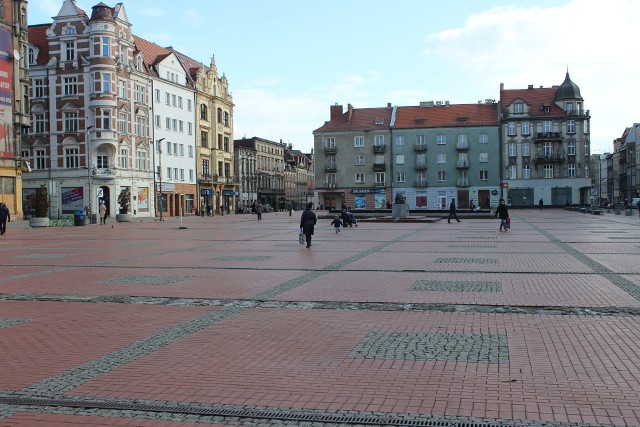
pixel 337 223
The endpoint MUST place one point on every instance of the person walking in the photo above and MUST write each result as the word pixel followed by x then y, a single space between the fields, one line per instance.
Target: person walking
pixel 337 223
pixel 503 213
pixel 103 213
pixel 541 204
pixel 307 223
pixel 5 217
pixel 452 211
pixel 290 208
pixel 259 210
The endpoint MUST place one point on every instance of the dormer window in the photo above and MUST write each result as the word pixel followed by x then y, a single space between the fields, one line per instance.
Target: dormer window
pixel 518 108
pixel 568 108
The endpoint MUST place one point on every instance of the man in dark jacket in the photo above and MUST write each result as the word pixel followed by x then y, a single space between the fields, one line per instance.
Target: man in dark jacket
pixel 307 223
pixel 4 217
pixel 452 211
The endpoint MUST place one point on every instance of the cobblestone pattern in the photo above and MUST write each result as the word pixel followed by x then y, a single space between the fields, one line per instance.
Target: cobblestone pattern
pixel 467 261
pixel 145 280
pixel 7 322
pixel 471 348
pixel 457 286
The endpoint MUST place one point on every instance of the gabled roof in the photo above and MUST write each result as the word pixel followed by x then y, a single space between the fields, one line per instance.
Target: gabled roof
pixel 534 98
pixel 453 115
pixel 361 119
pixel 152 52
pixel 38 38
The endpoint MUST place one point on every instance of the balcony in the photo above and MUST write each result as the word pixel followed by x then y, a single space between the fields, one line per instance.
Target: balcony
pixel 379 167
pixel 462 164
pixel 421 182
pixel 462 182
pixel 331 185
pixel 462 145
pixel 379 184
pixel 104 173
pixel 548 136
pixel 379 148
pixel 331 168
pixel 421 166
pixel 549 158
pixel 330 149
pixel 420 147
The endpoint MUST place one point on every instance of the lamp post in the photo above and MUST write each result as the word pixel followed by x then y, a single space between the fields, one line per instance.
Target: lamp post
pixel 160 174
pixel 89 172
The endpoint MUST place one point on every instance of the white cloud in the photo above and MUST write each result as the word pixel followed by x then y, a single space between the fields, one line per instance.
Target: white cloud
pixel 521 46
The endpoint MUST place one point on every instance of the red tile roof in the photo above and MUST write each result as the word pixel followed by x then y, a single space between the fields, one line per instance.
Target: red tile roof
pixel 361 119
pixel 453 115
pixel 152 52
pixel 534 98
pixel 38 37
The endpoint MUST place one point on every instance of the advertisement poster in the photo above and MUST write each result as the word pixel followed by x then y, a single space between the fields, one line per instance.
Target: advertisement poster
pixel 381 201
pixel 143 198
pixel 72 199
pixel 360 201
pixel 421 199
pixel 7 148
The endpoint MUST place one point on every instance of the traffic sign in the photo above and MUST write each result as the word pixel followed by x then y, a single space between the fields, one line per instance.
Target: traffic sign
pixel 100 192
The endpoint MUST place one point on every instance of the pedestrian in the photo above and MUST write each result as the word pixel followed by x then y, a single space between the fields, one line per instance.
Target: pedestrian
pixel 638 206
pixel 503 213
pixel 103 213
pixel 452 211
pixel 541 204
pixel 259 210
pixel 307 223
pixel 336 223
pixel 5 217
pixel 290 208
pixel 253 208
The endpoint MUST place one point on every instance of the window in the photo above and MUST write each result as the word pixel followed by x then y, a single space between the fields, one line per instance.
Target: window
pixel 360 178
pixel 568 108
pixel 205 167
pixel 378 160
pixel 441 139
pixel 158 121
pixel 174 100
pixel 105 82
pixel 548 171
pixel 140 94
pixel 483 138
pixel 571 126
pixel 462 139
pixel 399 140
pixel 331 162
pixel 69 51
pixel 188 105
pixel 103 119
pixel 399 159
pixel 180 102
pixel 225 118
pixel 40 162
pixel 572 170
pixel 33 56
pixel 122 89
pixel 174 123
pixel 441 158
pixel 331 180
pixel 124 158
pixel 571 148
pixel 484 175
pixel 71 121
pixel 71 158
pixel 167 122
pixel 203 112
pixel 102 160
pixel 442 176
pixel 526 149
pixel 513 172
pixel 546 126
pixel 513 149
pixel 70 85
pixel 169 173
pixel 517 108
pixel 167 98
pixel 360 160
pixel 181 126
pixel 511 128
pixel 190 151
pixel 38 88
pixel 141 158
pixel 190 128
pixel 379 178
pixel 39 123
pixel 191 175
pixel 226 143
pixel 358 141
pixel 524 128
pixel 141 126
pixel 547 149
pixel 526 171
pixel 181 174
pixel 102 46
pixel 378 140
pixel 219 115
pixel 175 148
pixel 219 141
pixel 421 139
pixel 181 150
pixel 157 95
pixel 330 142
pixel 586 126
pixel 400 177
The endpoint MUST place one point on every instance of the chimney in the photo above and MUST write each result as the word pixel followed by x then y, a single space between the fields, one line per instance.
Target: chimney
pixel 388 105
pixel 350 112
pixel 530 87
pixel 335 111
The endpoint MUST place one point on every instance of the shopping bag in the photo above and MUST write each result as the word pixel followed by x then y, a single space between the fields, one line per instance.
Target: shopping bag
pixel 507 223
pixel 301 238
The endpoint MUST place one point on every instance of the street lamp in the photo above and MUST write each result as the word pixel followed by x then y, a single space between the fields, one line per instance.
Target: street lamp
pixel 88 143
pixel 160 174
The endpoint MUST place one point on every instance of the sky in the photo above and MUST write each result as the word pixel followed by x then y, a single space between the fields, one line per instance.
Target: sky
pixel 288 61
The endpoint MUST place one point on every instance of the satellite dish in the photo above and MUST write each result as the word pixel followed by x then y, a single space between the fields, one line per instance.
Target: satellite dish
pixel 16 55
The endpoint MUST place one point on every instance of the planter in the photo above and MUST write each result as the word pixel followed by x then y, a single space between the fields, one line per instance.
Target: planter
pixel 124 217
pixel 38 222
pixel 399 211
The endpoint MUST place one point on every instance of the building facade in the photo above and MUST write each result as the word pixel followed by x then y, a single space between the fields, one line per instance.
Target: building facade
pixel 545 145
pixel 14 100
pixel 246 166
pixel 90 136
pixel 270 168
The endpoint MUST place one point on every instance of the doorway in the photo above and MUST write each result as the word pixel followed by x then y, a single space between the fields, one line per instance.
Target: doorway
pixel 484 199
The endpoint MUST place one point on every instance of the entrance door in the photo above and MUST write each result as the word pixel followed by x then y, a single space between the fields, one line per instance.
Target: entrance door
pixel 463 199
pixel 443 202
pixel 483 198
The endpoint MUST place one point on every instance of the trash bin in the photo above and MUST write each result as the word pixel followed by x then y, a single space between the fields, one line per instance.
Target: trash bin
pixel 79 218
